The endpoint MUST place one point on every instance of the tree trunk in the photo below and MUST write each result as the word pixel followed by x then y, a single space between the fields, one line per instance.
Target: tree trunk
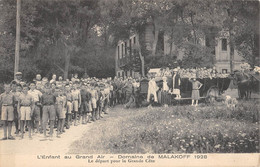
pixel 156 33
pixel 141 57
pixel 255 50
pixel 171 42
pixel 193 28
pixel 17 42
pixel 142 63
pixel 231 44
pixel 67 64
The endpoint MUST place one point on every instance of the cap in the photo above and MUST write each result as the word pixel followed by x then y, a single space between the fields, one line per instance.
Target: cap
pixel 18 73
pixel 45 79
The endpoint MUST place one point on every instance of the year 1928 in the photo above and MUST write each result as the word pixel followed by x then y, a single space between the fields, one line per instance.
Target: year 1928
pixel 200 156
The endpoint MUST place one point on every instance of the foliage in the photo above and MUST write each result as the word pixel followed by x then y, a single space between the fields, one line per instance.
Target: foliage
pixel 182 129
pixel 55 35
pixel 65 37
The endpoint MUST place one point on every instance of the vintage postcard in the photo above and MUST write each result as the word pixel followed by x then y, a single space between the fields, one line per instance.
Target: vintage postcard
pixel 140 83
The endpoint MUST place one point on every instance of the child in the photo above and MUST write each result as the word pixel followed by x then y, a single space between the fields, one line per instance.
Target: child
pixel 26 108
pixel 68 106
pixel 16 90
pixel 48 110
pixel 7 101
pixel 61 103
pixel 84 103
pixel 36 94
pixel 94 97
pixel 195 95
pixel 76 101
pixel 88 103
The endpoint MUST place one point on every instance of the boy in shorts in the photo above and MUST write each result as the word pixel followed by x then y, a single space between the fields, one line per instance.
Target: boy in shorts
pixel 85 99
pixel 7 101
pixel 88 103
pixel 25 107
pixel 16 90
pixel 36 94
pixel 61 111
pixel 94 97
pixel 48 110
pixel 76 101
pixel 68 106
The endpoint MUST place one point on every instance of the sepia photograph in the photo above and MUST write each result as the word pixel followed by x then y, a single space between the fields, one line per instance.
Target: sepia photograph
pixel 129 83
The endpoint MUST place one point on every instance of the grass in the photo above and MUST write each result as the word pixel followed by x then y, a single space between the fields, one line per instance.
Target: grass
pixel 177 129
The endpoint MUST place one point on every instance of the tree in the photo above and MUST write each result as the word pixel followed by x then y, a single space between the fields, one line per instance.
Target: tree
pixel 241 19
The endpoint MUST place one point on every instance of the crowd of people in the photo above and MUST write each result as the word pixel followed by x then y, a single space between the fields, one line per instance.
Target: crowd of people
pixel 194 72
pixel 42 105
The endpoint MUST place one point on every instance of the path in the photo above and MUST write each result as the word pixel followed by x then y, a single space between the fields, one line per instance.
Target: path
pixel 58 145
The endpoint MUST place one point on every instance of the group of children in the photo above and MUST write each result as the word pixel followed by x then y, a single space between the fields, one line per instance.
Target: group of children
pixel 39 105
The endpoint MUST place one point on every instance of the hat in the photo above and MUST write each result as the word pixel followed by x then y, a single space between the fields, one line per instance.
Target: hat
pixel 101 85
pixel 18 73
pixel 45 79
pixel 175 70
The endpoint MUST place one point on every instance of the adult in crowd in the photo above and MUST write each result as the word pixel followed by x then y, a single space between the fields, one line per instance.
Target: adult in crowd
pixel 152 89
pixel 176 82
pixel 53 79
pixel 195 95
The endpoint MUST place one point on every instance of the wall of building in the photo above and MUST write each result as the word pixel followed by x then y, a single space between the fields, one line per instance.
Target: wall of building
pixel 222 51
pixel 125 48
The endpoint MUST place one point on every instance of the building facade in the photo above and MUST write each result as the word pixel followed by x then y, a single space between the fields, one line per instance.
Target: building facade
pixel 125 49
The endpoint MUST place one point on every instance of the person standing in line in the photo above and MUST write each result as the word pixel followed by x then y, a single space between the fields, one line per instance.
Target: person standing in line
pixel 64 111
pixel 26 108
pixel 7 100
pixel 84 104
pixel 60 105
pixel 44 82
pixel 99 102
pixel 16 95
pixel 59 83
pixel 75 78
pixel 48 101
pixel 195 95
pixel 68 106
pixel 18 78
pixel 94 96
pixel 113 93
pixel 106 93
pixel 38 82
pixel 128 90
pixel 53 80
pixel 89 103
pixel 76 101
pixel 36 94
